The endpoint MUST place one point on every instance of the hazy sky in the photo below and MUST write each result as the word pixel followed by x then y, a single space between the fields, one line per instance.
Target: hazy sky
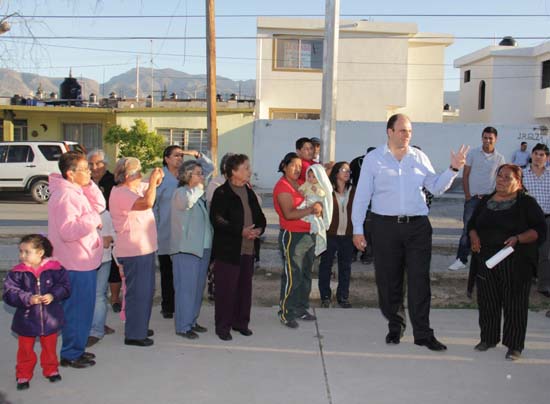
pixel 102 59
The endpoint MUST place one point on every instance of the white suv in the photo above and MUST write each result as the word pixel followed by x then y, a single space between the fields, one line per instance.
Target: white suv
pixel 25 166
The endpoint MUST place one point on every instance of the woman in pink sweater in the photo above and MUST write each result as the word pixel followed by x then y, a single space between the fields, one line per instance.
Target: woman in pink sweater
pixel 73 222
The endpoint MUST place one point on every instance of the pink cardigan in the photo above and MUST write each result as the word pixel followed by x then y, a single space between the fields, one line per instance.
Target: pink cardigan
pixel 73 220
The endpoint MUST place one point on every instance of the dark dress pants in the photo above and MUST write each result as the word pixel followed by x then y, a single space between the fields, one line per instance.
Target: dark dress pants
pixel 233 298
pixel 400 247
pixel 166 283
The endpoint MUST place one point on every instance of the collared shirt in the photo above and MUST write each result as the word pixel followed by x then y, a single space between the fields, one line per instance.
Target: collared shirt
pixel 483 173
pixel 521 158
pixel 538 187
pixel 395 187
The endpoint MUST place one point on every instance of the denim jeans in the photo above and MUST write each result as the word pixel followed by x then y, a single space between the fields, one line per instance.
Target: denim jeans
pixel 189 281
pixel 464 243
pixel 343 247
pixel 100 308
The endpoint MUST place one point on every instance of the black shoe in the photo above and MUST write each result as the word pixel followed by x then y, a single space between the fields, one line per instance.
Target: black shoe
pixel 345 304
pixel 484 346
pixel 79 363
pixel 92 341
pixel 307 317
pixel 199 328
pixel 393 339
pixel 290 323
pixel 325 303
pixel 117 307
pixel 247 332
pixel 512 355
pixel 166 314
pixel 88 355
pixel 548 313
pixel 431 343
pixel 139 342
pixel 54 378
pixel 150 333
pixel 23 385
pixel 189 334
pixel 225 337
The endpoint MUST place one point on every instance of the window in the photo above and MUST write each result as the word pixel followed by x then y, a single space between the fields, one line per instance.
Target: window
pixel 481 95
pixel 298 53
pixel 20 154
pixel 187 139
pixel 87 134
pixel 294 114
pixel 467 74
pixel 52 152
pixel 545 74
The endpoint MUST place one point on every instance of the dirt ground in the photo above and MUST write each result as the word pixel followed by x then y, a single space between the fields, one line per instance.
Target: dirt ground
pixel 448 291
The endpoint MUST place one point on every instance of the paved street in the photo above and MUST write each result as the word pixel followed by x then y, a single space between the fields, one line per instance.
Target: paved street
pixel 340 359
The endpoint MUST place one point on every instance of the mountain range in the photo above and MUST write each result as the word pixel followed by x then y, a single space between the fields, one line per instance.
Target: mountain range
pixel 124 85
pixel 184 85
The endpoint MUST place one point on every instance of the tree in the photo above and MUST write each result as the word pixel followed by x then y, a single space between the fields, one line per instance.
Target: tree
pixel 137 142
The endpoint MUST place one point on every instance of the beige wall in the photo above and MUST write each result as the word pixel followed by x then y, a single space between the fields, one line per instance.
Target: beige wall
pixel 480 70
pixel 374 72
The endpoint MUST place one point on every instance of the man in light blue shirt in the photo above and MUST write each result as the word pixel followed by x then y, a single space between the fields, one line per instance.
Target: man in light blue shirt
pixel 521 156
pixel 392 178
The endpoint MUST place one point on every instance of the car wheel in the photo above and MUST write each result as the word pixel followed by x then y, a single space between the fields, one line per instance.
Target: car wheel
pixel 40 191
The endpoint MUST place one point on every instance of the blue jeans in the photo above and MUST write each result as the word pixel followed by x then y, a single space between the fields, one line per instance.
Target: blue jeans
pixel 100 309
pixel 79 311
pixel 140 289
pixel 343 245
pixel 464 243
pixel 189 281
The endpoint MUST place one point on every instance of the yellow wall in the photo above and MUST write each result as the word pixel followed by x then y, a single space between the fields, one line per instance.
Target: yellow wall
pixel 234 127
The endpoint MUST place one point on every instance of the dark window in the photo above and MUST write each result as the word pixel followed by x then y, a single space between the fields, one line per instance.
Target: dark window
pixel 51 152
pixel 3 153
pixel 467 76
pixel 187 139
pixel 545 74
pixel 20 154
pixel 481 95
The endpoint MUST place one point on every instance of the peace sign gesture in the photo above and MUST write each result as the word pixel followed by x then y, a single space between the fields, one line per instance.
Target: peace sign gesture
pixel 458 159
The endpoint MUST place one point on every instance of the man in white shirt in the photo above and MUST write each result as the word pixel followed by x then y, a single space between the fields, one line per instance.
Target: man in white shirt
pixel 478 180
pixel 536 180
pixel 521 156
pixel 392 178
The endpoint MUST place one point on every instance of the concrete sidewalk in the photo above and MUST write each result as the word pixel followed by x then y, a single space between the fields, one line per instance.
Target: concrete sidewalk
pixel 339 359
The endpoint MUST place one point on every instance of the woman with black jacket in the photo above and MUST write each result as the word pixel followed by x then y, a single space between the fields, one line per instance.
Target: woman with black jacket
pixel 237 220
pixel 507 217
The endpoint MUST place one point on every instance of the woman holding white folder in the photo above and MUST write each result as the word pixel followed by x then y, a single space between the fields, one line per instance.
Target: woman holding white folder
pixel 506 218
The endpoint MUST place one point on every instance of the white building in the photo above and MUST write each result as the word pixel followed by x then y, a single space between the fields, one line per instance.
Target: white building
pixel 506 84
pixel 383 68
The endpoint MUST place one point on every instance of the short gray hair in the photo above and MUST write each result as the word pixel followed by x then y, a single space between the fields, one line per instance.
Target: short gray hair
pixel 98 152
pixel 186 171
pixel 125 167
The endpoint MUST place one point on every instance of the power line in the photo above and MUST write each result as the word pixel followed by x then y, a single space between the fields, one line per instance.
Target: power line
pixel 254 37
pixel 255 59
pixel 159 16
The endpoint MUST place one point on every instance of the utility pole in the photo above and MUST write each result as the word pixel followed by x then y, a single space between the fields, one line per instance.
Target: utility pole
pixel 137 78
pixel 330 57
pixel 152 78
pixel 211 80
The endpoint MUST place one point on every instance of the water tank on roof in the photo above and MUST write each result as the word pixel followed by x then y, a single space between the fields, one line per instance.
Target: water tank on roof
pixel 173 96
pixel 508 41
pixel 70 89
pixel 93 98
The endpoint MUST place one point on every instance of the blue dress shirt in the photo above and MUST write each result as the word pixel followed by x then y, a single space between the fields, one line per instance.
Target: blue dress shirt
pixel 394 187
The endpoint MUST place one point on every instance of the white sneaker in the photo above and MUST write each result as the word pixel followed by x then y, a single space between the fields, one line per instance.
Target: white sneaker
pixel 455 266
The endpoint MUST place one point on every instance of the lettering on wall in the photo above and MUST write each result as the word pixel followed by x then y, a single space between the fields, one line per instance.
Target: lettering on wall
pixel 539 135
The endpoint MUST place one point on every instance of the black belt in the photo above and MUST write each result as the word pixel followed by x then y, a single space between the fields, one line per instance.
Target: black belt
pixel 398 219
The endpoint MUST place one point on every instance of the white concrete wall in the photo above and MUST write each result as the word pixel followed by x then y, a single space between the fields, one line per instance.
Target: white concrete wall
pixel 541 95
pixel 481 70
pixel 272 139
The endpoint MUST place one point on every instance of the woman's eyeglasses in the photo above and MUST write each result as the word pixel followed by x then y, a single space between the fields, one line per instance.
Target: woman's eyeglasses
pixel 344 170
